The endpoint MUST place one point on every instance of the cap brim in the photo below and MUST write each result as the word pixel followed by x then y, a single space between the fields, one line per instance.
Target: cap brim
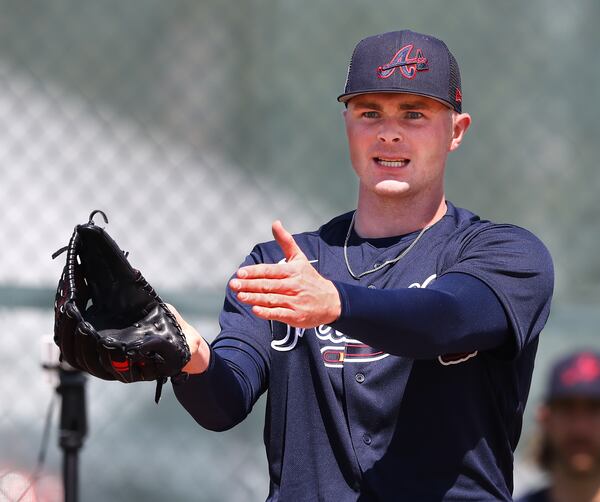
pixel 585 394
pixel 344 98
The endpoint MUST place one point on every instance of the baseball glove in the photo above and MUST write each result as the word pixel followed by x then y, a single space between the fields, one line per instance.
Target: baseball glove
pixel 109 322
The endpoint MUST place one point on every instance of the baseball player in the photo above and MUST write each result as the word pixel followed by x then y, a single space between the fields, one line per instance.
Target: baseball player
pixel 570 423
pixel 397 341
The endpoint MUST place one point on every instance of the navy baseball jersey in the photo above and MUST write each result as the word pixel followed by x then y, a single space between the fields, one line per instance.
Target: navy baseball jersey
pixel 421 418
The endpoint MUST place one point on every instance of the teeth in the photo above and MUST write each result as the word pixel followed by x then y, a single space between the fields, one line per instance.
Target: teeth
pixel 392 163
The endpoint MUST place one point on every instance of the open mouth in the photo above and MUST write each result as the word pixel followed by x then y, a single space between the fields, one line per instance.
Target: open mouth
pixel 392 162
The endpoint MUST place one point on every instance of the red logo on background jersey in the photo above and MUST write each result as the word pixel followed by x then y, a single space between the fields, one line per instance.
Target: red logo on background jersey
pixel 402 61
pixel 585 369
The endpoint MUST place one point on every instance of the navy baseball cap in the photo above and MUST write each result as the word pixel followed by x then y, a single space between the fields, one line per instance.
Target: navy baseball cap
pixel 404 61
pixel 576 375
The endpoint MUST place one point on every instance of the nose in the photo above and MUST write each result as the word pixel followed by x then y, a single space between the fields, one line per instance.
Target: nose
pixel 389 132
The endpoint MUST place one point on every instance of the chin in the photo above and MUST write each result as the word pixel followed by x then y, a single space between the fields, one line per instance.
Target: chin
pixel 392 188
pixel 583 463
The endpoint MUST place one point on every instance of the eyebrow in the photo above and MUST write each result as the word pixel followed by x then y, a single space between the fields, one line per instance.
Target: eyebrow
pixel 415 104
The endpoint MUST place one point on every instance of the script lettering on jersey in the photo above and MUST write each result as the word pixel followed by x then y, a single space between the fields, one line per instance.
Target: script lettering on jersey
pixel 289 341
pixel 338 349
pixel 402 61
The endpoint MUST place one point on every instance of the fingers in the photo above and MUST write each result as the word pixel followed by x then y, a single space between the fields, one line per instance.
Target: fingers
pixel 285 315
pixel 270 300
pixel 267 271
pixel 262 286
pixel 281 270
pixel 286 241
pixel 277 314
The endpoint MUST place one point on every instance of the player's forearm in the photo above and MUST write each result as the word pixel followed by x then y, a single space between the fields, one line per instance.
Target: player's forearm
pixel 458 313
pixel 224 394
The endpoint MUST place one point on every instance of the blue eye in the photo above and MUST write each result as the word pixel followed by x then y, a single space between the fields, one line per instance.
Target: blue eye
pixel 414 115
pixel 371 115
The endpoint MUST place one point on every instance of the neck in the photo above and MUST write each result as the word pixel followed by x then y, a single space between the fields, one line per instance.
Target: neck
pixel 567 488
pixel 388 218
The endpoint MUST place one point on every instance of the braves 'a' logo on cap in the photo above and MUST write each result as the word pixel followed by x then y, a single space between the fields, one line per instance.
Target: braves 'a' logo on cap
pixel 585 369
pixel 458 95
pixel 402 61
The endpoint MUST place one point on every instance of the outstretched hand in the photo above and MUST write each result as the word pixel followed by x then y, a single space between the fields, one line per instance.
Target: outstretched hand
pixel 292 292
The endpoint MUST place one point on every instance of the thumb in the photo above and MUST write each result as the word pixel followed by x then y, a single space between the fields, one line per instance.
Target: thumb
pixel 286 242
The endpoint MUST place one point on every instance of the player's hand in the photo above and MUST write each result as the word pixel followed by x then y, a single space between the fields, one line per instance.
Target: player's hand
pixel 199 349
pixel 292 292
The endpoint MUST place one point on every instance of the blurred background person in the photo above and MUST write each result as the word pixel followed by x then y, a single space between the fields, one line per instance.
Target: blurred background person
pixel 569 421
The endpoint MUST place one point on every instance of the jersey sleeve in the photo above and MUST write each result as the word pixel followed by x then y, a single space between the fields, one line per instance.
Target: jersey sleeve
pixel 516 266
pixel 457 314
pixel 238 372
pixel 237 322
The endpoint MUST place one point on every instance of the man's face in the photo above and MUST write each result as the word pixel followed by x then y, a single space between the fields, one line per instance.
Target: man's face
pixel 399 143
pixel 572 426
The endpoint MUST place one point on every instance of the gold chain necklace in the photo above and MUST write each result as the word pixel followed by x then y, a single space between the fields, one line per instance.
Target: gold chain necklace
pixel 384 264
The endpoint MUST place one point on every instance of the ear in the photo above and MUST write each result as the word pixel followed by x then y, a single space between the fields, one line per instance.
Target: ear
pixel 460 124
pixel 543 415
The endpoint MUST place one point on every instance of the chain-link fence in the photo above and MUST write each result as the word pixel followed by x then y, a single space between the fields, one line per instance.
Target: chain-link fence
pixel 193 125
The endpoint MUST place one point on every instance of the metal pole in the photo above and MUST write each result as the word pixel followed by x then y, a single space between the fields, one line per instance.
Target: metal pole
pixel 73 427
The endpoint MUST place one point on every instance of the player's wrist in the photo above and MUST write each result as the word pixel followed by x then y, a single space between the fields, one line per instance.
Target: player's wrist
pixel 335 303
pixel 200 356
